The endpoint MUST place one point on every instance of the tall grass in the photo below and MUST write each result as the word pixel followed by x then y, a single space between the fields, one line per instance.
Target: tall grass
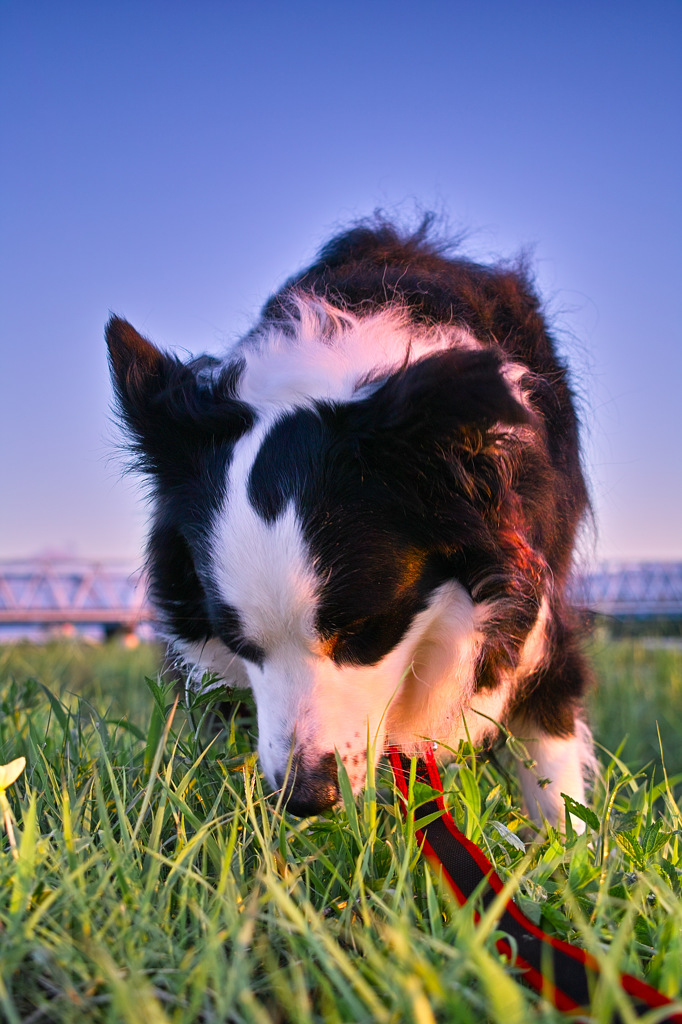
pixel 638 697
pixel 158 881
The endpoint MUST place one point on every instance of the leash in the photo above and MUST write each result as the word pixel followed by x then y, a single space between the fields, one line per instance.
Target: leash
pixel 562 973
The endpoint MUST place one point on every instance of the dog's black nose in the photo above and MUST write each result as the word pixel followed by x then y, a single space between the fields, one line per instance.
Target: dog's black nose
pixel 311 789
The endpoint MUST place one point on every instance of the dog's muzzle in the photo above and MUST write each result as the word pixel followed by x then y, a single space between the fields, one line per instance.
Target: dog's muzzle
pixel 310 789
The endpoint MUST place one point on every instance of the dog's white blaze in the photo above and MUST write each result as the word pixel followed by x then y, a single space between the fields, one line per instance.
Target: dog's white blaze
pixel 263 569
pixel 267 575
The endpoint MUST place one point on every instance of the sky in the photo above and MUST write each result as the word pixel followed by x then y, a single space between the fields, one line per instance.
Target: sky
pixel 174 162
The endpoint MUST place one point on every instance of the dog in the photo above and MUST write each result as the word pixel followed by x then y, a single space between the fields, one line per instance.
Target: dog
pixel 366 514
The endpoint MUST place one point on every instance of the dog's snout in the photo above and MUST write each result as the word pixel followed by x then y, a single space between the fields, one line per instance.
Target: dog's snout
pixel 310 789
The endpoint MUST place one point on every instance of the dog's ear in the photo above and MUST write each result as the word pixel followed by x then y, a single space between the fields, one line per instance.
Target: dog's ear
pixel 139 370
pixel 431 432
pixel 429 401
pixel 167 405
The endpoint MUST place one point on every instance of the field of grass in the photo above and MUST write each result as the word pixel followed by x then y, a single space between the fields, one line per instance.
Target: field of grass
pixel 155 880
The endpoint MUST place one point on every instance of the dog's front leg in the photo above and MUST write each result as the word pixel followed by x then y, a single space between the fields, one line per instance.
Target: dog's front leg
pixel 561 766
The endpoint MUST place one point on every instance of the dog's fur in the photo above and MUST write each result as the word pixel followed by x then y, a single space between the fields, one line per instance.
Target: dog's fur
pixel 366 513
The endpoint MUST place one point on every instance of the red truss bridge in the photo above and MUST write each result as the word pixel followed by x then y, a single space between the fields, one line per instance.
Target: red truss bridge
pixel 61 592
pixel 58 592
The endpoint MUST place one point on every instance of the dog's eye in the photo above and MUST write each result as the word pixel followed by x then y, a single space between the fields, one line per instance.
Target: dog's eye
pixel 352 629
pixel 355 627
pixel 360 642
pixel 366 640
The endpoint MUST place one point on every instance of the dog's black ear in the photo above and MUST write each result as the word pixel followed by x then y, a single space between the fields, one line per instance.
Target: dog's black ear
pixel 168 405
pixel 148 384
pixel 139 370
pixel 429 434
pixel 429 401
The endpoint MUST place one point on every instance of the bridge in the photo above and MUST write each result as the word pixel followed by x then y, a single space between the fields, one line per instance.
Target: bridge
pixel 642 590
pixel 76 594
pixel 59 592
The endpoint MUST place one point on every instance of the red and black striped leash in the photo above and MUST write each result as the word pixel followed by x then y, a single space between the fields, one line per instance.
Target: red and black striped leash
pixel 562 973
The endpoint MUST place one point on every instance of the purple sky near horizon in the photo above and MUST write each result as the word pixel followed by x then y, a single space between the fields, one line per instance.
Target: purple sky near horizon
pixel 175 162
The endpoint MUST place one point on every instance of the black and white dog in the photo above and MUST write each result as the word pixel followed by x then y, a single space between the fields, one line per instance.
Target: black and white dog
pixel 366 514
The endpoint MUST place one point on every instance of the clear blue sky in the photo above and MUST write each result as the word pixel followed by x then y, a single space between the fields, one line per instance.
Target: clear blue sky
pixel 174 161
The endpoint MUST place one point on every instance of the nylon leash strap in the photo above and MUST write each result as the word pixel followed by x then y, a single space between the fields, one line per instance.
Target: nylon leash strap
pixel 564 974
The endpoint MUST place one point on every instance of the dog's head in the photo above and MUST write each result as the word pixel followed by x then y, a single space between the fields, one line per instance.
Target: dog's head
pixel 314 551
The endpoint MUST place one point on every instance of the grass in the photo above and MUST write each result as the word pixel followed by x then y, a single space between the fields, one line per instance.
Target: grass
pixel 157 881
pixel 638 697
